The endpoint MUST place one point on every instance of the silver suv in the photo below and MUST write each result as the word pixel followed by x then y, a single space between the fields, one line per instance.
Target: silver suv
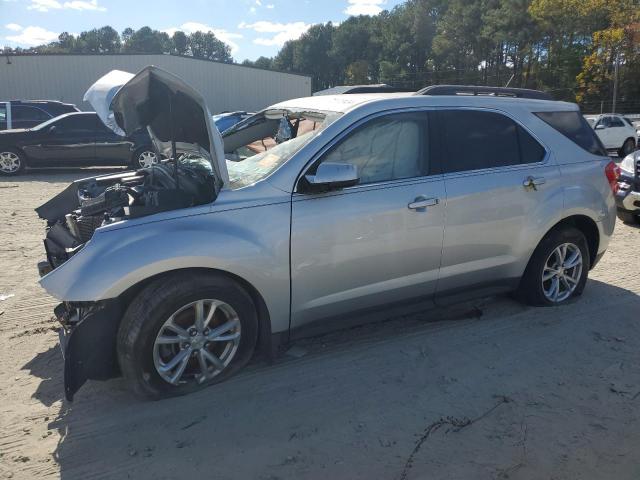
pixel 314 212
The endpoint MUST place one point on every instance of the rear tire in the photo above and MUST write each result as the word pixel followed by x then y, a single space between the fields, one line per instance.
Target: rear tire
pixel 12 161
pixel 630 218
pixel 144 157
pixel 143 333
pixel 536 291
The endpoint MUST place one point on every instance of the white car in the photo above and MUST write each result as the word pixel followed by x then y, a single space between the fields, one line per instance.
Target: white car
pixel 617 133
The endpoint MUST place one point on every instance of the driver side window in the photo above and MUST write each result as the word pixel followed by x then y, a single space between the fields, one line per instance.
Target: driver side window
pixel 386 148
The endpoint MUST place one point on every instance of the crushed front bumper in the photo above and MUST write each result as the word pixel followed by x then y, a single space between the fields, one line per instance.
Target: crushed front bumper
pixel 88 342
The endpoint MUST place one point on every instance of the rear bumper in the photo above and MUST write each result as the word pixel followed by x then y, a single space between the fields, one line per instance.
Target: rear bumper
pixel 88 342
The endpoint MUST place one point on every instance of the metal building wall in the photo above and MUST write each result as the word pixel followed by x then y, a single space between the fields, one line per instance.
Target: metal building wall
pixel 225 87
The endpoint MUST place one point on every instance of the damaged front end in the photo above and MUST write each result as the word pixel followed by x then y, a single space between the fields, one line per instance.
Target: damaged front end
pixel 88 342
pixel 191 174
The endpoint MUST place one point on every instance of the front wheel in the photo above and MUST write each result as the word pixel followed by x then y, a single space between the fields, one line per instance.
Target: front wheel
pixel 628 147
pixel 185 332
pixel 557 270
pixel 12 162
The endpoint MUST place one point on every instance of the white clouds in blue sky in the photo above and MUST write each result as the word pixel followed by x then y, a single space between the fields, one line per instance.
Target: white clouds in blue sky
pixel 250 27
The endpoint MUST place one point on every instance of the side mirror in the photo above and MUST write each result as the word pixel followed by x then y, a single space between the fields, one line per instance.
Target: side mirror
pixel 53 129
pixel 600 127
pixel 331 176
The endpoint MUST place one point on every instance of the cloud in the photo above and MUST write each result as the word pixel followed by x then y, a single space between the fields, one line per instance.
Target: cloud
pixel 81 5
pixel 224 35
pixel 14 27
pixel 364 7
pixel 44 5
pixel 271 6
pixel 283 31
pixel 32 36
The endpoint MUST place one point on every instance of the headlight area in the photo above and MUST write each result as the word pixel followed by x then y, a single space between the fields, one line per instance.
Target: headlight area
pixel 88 341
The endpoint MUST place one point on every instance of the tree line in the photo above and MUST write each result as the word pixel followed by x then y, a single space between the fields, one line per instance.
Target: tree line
pixel 570 48
pixel 106 40
pixel 566 47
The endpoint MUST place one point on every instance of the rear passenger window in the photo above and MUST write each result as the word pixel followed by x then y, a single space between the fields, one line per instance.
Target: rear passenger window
pixel 476 140
pixel 573 126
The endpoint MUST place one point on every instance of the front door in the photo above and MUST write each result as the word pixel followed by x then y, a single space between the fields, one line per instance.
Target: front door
pixel 378 242
pixel 68 141
pixel 499 180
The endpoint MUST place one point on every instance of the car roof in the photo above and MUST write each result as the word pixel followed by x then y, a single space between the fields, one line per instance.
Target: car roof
pixel 345 103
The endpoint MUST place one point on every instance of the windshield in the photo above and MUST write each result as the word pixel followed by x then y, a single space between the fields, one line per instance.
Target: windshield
pixel 266 142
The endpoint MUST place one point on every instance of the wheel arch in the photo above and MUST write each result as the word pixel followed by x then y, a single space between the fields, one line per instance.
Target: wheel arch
pixel 264 318
pixel 589 229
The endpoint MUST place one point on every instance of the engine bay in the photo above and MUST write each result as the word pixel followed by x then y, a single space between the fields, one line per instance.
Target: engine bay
pixel 74 215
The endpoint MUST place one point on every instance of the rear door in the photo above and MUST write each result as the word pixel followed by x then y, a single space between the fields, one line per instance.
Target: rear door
pixel 26 116
pixel 111 148
pixel 375 243
pixel 68 141
pixel 497 177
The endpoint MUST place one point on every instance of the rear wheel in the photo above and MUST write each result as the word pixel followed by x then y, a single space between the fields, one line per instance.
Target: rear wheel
pixel 11 162
pixel 185 332
pixel 630 218
pixel 144 158
pixel 557 270
pixel 628 147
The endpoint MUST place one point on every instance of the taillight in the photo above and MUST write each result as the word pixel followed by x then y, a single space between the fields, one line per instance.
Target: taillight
pixel 612 171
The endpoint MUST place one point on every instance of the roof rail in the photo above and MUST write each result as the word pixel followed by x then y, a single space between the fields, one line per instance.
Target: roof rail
pixel 480 90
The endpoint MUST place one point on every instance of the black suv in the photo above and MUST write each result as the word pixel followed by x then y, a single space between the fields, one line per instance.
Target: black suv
pixel 73 139
pixel 29 113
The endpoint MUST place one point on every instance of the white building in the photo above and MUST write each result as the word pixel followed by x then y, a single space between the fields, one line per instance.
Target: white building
pixel 66 77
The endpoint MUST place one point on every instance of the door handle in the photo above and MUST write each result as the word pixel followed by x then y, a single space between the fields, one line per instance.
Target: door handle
pixel 533 182
pixel 421 202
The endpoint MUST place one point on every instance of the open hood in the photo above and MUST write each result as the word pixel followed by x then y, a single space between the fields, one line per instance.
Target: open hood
pixel 164 104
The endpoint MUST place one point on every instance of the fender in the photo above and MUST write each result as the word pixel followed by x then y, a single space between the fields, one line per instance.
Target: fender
pixel 116 259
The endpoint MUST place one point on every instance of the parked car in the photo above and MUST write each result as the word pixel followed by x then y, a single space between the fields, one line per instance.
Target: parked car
pixel 72 140
pixel 352 206
pixel 226 120
pixel 617 133
pixel 353 89
pixel 628 193
pixel 29 113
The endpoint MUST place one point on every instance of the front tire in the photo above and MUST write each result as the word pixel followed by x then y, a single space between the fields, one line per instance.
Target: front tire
pixel 557 271
pixel 184 332
pixel 628 147
pixel 12 162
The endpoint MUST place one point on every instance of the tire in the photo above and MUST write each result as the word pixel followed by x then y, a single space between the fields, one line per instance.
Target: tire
pixel 630 218
pixel 137 160
pixel 628 147
pixel 9 158
pixel 146 318
pixel 532 287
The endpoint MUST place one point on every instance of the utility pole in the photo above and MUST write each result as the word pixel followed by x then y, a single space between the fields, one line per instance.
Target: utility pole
pixel 615 84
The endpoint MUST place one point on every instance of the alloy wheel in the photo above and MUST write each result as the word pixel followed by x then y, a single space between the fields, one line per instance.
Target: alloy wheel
pixel 147 158
pixel 197 342
pixel 562 272
pixel 9 162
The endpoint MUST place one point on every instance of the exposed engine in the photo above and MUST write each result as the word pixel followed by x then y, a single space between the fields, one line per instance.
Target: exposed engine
pixel 74 215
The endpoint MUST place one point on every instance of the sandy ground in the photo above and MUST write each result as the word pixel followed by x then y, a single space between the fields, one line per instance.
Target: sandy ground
pixel 490 389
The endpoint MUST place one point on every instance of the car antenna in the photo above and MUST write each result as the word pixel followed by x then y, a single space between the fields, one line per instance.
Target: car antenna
pixel 173 141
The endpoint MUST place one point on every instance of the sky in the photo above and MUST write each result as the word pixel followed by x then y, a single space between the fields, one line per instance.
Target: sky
pixel 251 27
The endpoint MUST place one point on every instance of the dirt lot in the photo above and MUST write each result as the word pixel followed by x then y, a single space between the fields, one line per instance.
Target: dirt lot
pixel 489 389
